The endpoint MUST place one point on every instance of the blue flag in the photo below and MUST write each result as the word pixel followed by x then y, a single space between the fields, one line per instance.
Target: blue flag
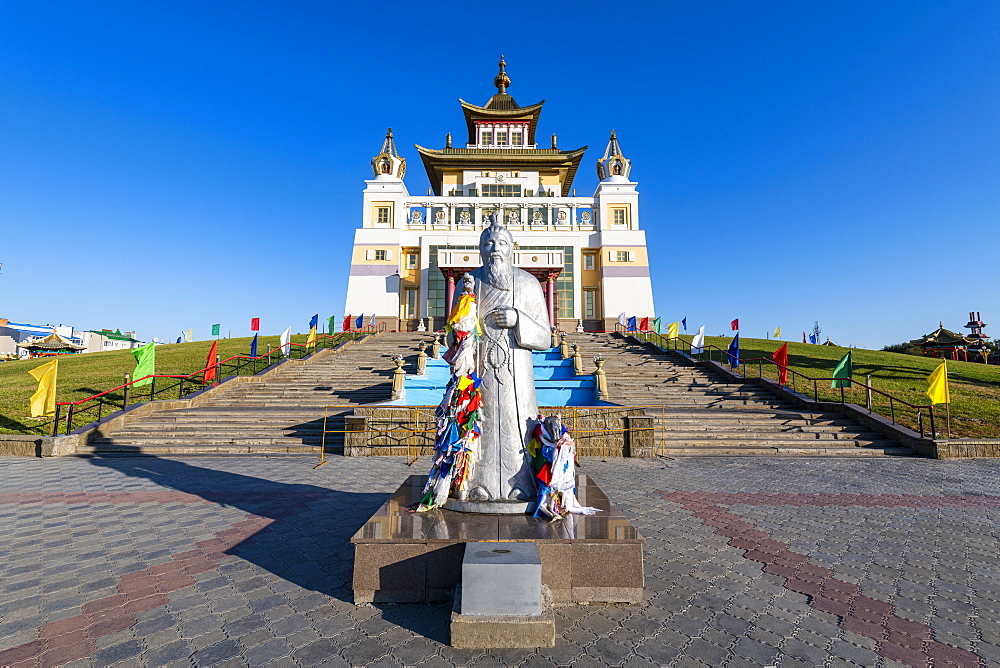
pixel 631 324
pixel 253 346
pixel 360 322
pixel 812 338
pixel 178 340
pixel 313 321
pixel 734 352
pixel 684 321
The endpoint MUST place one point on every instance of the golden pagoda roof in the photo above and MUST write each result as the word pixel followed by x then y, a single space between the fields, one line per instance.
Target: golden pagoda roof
pixel 51 342
pixel 436 161
pixel 942 337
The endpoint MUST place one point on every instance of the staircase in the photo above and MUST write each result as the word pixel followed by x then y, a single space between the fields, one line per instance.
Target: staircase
pixel 699 413
pixel 282 413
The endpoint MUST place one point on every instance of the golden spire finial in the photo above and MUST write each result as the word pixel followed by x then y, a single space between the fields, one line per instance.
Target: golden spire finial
pixel 502 81
pixel 614 135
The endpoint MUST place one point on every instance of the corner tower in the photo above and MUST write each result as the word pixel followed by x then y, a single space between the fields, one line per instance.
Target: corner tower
pixel 589 253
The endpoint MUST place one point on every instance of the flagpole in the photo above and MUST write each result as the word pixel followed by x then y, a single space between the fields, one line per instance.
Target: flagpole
pixel 947 408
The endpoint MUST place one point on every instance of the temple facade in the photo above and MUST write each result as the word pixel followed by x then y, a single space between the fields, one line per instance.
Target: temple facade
pixel 588 252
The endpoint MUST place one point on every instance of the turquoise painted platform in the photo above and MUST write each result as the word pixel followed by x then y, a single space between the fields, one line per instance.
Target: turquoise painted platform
pixel 555 383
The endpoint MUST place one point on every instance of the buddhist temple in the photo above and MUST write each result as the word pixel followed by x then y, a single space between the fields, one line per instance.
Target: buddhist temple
pixel 588 252
pixel 53 344
pixel 946 344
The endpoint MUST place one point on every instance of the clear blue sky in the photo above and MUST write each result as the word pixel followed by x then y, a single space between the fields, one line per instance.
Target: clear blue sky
pixel 166 165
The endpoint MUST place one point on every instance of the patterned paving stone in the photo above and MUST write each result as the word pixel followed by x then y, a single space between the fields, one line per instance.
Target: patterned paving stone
pixel 246 562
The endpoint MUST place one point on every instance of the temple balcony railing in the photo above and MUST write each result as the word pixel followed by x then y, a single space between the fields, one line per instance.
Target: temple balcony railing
pixel 541 214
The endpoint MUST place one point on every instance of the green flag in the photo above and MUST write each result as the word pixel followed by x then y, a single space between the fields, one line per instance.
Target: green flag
pixel 145 363
pixel 330 324
pixel 843 372
pixel 656 325
pixel 215 329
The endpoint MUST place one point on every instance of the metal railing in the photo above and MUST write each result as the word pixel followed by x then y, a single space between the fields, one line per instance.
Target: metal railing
pixel 178 386
pixel 396 430
pixel 891 404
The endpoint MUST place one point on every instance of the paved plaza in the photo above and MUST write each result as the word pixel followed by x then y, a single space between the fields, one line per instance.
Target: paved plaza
pixel 749 562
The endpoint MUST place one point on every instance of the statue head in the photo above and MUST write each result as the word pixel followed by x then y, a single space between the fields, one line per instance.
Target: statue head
pixel 496 247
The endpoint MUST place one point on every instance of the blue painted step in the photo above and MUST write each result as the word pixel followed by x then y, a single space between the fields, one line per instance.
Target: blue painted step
pixel 555 383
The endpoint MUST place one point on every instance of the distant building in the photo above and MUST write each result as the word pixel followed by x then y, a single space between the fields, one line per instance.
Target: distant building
pixel 98 341
pixel 15 338
pixel 14 333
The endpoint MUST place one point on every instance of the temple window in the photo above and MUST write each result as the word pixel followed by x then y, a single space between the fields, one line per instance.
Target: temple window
pixel 618 216
pixel 589 261
pixel 411 260
pixel 501 190
pixel 411 302
pixel 501 138
pixel 516 138
pixel 487 137
pixel 379 256
pixel 621 256
pixel 382 215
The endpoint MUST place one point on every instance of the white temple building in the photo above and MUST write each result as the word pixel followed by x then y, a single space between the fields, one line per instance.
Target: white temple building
pixel 589 253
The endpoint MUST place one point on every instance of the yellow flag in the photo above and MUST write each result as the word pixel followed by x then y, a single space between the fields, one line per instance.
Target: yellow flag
pixel 673 329
pixel 311 341
pixel 777 332
pixel 43 401
pixel 938 388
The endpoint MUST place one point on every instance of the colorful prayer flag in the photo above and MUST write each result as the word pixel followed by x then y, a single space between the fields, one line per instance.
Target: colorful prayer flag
pixel 286 337
pixel 812 338
pixel 331 324
pixel 631 324
pixel 43 401
pixel 145 364
pixel 780 358
pixel 311 339
pixel 644 325
pixel 673 330
pixel 842 374
pixel 360 322
pixel 178 339
pixel 698 342
pixel 254 324
pixel 656 325
pixel 735 324
pixel 188 335
pixel 253 346
pixel 347 323
pixel 371 321
pixel 777 332
pixel 684 322
pixel 938 389
pixel 215 329
pixel 621 319
pixel 803 337
pixel 734 351
pixel 211 371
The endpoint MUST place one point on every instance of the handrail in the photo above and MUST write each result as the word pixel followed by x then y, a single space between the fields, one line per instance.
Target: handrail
pixel 815 380
pixel 322 341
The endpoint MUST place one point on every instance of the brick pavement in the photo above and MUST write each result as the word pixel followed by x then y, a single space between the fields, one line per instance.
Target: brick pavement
pixel 235 562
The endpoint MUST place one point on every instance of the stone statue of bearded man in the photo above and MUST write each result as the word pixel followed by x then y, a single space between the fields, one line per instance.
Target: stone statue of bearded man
pixel 514 321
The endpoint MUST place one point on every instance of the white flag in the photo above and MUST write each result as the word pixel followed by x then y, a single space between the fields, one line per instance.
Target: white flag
pixel 698 342
pixel 371 321
pixel 286 336
pixel 188 335
pixel 621 319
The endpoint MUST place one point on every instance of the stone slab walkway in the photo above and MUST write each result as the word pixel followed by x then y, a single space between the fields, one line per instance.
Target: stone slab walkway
pixel 236 562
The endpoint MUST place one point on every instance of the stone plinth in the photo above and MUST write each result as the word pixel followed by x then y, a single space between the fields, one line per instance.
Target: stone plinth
pixel 404 557
pixel 503 631
pixel 501 579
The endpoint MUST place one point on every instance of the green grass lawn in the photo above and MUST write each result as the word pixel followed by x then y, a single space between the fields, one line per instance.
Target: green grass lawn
pixel 81 376
pixel 975 387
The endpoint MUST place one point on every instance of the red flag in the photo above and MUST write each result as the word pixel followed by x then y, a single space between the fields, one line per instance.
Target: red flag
pixel 254 324
pixel 211 371
pixel 803 337
pixel 735 324
pixel 644 325
pixel 781 357
pixel 347 323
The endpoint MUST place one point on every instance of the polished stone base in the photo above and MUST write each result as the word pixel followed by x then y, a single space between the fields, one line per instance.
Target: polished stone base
pixel 404 557
pixel 491 507
pixel 503 631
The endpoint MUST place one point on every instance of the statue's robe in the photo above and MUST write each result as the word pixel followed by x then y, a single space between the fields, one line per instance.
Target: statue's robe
pixel 509 410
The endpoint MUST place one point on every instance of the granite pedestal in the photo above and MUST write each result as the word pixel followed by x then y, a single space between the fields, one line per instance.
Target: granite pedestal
pixel 404 557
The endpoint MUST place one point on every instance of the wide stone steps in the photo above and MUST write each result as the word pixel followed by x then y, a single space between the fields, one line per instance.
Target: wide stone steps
pixel 889 450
